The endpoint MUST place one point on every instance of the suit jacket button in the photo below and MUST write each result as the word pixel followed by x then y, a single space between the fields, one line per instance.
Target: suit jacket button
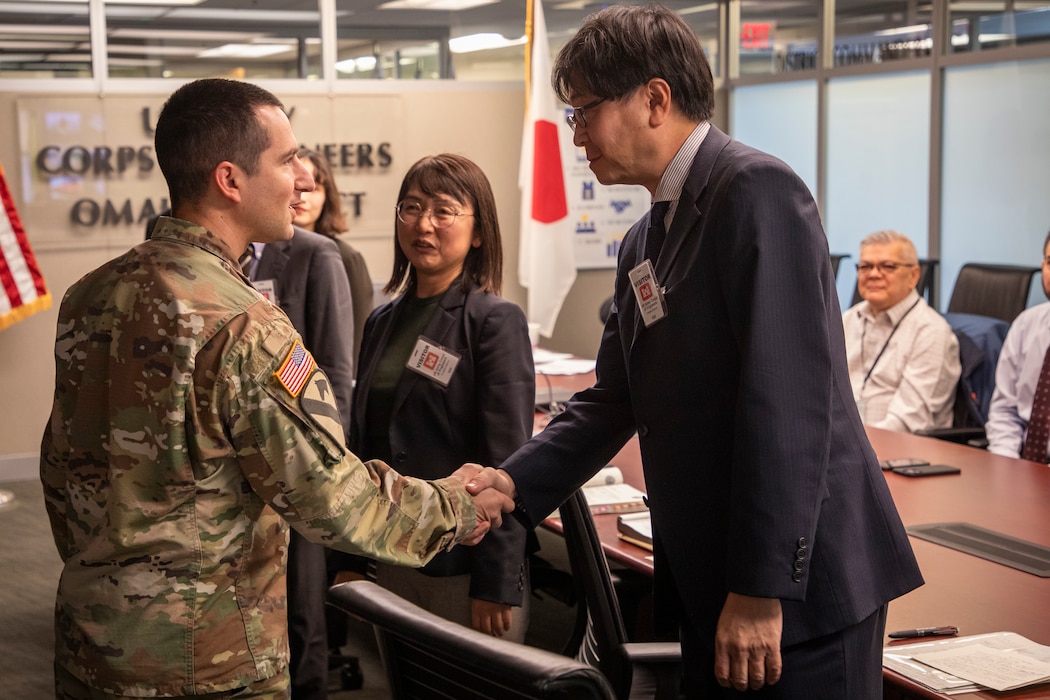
pixel 799 564
pixel 796 577
pixel 801 542
pixel 800 554
pixel 643 430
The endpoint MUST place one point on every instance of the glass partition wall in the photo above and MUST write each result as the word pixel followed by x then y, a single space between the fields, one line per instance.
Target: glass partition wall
pixel 896 113
pixel 283 39
pixel 929 118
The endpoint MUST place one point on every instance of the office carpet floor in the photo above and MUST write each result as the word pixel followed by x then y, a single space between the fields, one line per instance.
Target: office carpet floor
pixel 29 570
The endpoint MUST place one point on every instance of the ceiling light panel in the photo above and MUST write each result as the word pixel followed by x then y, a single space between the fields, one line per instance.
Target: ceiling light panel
pixel 446 5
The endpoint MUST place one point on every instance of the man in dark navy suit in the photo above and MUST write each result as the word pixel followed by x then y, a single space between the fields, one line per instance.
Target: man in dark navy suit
pixel 777 545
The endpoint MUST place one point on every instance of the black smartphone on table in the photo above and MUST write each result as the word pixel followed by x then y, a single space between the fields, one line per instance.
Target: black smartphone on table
pixel 927 470
pixel 902 462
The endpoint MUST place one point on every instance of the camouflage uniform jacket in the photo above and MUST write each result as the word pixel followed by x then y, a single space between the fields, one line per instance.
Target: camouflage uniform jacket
pixel 189 424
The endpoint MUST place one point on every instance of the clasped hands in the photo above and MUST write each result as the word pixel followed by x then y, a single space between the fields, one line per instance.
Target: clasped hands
pixel 493 493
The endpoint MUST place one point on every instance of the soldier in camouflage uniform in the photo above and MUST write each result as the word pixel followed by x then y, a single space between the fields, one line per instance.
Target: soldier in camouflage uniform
pixel 190 427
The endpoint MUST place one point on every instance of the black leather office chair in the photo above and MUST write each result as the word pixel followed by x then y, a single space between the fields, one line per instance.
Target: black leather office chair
pixel 925 286
pixel 634 669
pixel 999 291
pixel 427 657
pixel 836 260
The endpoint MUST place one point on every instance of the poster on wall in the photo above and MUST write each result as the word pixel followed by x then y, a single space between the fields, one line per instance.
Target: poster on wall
pixel 601 214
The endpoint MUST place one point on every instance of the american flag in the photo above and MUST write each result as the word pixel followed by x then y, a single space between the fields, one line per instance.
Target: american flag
pixel 22 288
pixel 296 369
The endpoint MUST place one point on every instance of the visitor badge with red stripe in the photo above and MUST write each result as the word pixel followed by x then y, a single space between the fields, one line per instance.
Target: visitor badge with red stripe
pixel 433 361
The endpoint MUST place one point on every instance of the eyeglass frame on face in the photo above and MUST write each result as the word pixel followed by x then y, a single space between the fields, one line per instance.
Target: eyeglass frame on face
pixel 432 212
pixel 886 268
pixel 578 115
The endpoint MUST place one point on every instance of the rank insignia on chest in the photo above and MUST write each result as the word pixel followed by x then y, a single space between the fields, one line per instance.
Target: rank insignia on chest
pixel 295 369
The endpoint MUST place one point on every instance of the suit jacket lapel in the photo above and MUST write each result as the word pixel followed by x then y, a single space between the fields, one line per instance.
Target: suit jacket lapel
pixel 272 262
pixel 687 216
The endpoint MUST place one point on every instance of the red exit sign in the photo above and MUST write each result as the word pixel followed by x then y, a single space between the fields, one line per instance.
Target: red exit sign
pixel 755 35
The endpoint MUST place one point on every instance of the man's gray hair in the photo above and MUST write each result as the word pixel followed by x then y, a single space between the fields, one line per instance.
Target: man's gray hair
pixel 890 236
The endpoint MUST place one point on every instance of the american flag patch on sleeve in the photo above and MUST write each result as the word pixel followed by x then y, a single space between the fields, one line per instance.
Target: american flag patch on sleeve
pixel 295 369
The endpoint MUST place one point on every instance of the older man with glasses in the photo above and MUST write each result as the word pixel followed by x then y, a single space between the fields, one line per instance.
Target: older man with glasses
pixel 903 356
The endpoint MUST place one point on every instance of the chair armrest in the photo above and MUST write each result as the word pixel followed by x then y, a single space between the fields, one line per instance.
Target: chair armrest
pixel 454 653
pixel 653 652
pixel 656 669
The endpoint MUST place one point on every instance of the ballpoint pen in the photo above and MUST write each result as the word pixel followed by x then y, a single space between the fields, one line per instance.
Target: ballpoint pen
pixel 945 631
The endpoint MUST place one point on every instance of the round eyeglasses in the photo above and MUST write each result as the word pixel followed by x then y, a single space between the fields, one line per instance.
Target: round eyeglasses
pixel 440 217
pixel 886 268
pixel 579 115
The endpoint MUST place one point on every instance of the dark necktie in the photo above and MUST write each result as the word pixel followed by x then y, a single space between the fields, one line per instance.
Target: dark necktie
pixel 654 237
pixel 1035 440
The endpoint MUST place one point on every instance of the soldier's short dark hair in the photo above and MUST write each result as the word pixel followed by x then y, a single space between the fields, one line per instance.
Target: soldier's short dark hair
pixel 204 123
pixel 623 47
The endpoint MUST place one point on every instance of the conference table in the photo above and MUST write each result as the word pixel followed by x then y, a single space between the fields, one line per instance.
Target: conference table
pixel 1002 494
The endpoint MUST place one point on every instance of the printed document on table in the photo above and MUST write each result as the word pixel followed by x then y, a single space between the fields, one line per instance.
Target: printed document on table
pixel 988 666
pixel 907 660
pixel 606 492
pixel 542 356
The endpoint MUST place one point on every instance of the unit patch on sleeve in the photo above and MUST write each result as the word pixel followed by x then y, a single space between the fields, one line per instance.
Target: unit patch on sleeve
pixel 295 369
pixel 318 402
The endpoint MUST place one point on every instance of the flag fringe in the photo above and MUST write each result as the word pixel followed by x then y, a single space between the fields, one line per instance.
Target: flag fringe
pixel 25 311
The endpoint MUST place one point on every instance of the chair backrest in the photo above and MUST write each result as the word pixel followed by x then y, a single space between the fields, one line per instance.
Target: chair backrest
pixel 836 260
pixel 966 412
pixel 924 287
pixel 428 657
pixel 980 341
pixel 999 291
pixel 605 634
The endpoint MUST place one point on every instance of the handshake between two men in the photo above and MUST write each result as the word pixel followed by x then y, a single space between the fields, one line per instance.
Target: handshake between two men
pixel 493 493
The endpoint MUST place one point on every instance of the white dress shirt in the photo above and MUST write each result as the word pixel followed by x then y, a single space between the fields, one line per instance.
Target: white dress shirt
pixel 911 385
pixel 1016 376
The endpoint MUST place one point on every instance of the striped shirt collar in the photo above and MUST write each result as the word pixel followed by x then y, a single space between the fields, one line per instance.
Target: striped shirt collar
pixel 673 180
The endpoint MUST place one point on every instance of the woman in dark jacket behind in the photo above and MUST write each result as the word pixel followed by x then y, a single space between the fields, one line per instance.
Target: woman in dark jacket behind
pixel 446 377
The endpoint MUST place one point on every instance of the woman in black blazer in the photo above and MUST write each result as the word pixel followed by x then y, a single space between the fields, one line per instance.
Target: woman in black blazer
pixel 446 377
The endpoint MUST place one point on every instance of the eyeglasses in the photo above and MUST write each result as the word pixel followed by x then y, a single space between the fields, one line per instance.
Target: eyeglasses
pixel 578 115
pixel 440 217
pixel 886 268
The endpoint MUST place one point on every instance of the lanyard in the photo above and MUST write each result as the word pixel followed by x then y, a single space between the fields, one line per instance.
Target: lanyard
pixel 888 339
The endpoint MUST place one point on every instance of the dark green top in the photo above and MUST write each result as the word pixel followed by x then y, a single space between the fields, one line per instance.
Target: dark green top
pixel 413 320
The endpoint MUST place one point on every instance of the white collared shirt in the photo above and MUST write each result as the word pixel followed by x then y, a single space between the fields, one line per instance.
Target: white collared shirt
pixel 1016 378
pixel 911 385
